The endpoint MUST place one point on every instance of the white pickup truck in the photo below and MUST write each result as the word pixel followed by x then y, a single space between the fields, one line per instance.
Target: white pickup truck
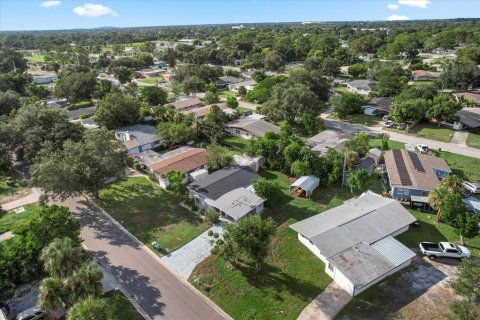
pixel 443 249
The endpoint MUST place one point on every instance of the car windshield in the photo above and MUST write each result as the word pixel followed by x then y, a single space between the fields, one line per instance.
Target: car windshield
pixel 458 248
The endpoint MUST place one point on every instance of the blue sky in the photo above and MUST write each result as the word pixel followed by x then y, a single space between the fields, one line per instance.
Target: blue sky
pixel 69 14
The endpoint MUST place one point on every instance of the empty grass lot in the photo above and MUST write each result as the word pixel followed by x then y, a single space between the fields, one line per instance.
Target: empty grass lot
pixel 9 220
pixel 473 140
pixel 291 276
pixel 36 58
pixel 151 213
pixel 121 307
pixel 153 80
pixel 360 119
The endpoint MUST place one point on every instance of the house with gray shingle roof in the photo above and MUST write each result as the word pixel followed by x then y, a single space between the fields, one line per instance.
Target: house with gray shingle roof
pixel 139 137
pixel 361 86
pixel 356 240
pixel 251 126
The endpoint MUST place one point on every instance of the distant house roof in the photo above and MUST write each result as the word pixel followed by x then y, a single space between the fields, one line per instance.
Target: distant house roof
pixel 381 103
pixel 137 135
pixel 224 180
pixel 225 81
pixel 255 126
pixel 367 163
pixel 355 236
pixel 413 170
pixel 473 95
pixel 365 85
pixel 307 183
pixel 185 161
pixel 182 104
pixel 426 74
pixel 76 114
pixel 238 202
pixel 328 139
pixel 201 112
pixel 469 116
pixel 246 83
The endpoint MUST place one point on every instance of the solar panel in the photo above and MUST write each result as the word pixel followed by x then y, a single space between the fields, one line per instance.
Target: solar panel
pixel 401 168
pixel 416 162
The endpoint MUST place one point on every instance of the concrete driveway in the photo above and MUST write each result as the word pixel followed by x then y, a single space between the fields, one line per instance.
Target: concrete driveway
pixel 185 259
pixel 153 286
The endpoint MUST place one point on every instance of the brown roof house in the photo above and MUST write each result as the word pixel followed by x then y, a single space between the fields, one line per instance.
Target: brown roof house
pixel 187 104
pixel 187 160
pixel 471 95
pixel 250 126
pixel 423 75
pixel 413 174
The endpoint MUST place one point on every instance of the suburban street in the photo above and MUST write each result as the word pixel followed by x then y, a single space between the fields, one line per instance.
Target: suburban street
pixel 445 146
pixel 157 290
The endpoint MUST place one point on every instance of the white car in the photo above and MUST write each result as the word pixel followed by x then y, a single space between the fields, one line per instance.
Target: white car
pixel 32 314
pixel 443 249
pixel 423 148
pixel 389 123
pixel 473 187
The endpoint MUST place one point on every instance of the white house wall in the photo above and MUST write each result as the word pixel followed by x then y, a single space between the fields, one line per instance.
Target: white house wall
pixel 341 280
pixel 239 133
pixel 312 248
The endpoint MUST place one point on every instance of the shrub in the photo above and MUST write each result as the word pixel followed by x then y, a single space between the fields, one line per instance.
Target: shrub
pixel 137 166
pixel 152 176
pixel 212 216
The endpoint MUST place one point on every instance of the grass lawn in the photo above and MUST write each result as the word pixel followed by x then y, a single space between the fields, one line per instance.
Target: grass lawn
pixel 10 219
pixel 151 213
pixel 121 307
pixel 235 142
pixel 81 104
pixel 291 276
pixel 226 93
pixel 340 89
pixel 432 131
pixel 392 144
pixel 473 140
pixel 8 193
pixel 36 58
pixel 153 80
pixel 463 166
pixel 361 119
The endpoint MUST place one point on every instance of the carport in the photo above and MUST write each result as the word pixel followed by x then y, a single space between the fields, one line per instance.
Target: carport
pixel 304 186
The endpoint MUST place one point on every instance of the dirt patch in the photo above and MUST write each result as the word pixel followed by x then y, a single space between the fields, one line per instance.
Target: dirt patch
pixel 18 194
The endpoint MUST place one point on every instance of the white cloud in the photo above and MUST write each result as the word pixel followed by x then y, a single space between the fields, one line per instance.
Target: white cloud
pixel 415 3
pixel 392 6
pixel 396 17
pixel 94 10
pixel 50 4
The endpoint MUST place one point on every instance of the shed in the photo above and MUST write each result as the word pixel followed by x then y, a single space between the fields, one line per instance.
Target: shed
pixel 304 186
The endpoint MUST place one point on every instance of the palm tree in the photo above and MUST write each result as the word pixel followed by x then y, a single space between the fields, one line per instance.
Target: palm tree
pixel 90 309
pixel 61 257
pixel 86 281
pixel 453 182
pixel 51 291
pixel 435 199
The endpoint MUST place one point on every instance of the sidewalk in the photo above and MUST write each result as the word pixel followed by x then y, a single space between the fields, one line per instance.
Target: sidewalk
pixel 327 304
pixel 33 197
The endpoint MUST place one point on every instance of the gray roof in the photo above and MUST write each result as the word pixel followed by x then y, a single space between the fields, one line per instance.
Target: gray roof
pixel 368 218
pixel 245 83
pixel 238 202
pixel 367 163
pixel 140 134
pixel 75 114
pixel 228 80
pixel 469 117
pixel 182 104
pixel 307 183
pixel 381 103
pixel 328 139
pixel 224 180
pixel 255 126
pixel 361 84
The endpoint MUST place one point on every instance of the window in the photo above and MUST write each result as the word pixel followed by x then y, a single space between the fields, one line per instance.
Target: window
pixel 452 251
pixel 405 192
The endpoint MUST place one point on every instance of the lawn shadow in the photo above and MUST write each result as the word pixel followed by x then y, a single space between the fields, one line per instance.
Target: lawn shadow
pixel 425 232
pixel 271 277
pixel 137 286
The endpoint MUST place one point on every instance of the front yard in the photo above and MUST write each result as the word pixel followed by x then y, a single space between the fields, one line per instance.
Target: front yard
pixel 9 220
pixel 152 80
pixel 151 213
pixel 291 276
pixel 432 131
pixel 360 119
pixel 473 140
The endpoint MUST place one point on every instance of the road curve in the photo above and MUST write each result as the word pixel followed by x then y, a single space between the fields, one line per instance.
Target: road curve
pixel 156 289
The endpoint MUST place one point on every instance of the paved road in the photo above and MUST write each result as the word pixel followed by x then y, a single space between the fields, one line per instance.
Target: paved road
pixel 445 146
pixel 155 288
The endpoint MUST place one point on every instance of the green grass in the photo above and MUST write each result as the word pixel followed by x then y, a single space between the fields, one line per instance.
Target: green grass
pixel 235 142
pixel 392 144
pixel 340 89
pixel 8 193
pixel 36 58
pixel 153 80
pixel 473 140
pixel 432 131
pixel 226 94
pixel 291 276
pixel 121 307
pixel 463 166
pixel 361 119
pixel 151 213
pixel 9 220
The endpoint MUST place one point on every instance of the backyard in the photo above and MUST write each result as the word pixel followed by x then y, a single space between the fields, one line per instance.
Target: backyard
pixel 291 276
pixel 151 213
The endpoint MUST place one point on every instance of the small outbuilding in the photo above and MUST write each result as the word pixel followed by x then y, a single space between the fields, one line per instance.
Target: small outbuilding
pixel 304 186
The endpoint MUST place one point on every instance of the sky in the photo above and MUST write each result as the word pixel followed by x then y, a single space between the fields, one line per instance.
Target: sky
pixel 73 14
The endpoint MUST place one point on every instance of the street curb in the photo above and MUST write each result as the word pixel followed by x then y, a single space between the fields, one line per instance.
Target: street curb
pixel 172 271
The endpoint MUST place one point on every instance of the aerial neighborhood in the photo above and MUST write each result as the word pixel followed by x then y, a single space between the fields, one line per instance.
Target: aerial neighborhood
pixel 300 170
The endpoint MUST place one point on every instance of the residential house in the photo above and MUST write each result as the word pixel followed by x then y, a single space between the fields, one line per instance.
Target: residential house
pixel 468 118
pixel 304 186
pixel 80 113
pixel 250 126
pixel 249 85
pixel 188 104
pixel 185 159
pixel 470 95
pixel 236 204
pixel 363 87
pixel 201 112
pixel 139 137
pixel 55 102
pixel 369 162
pixel 224 82
pixel 413 174
pixel 379 106
pixel 44 79
pixel 423 75
pixel 220 182
pixel 356 240
pixel 328 139
pixel 147 73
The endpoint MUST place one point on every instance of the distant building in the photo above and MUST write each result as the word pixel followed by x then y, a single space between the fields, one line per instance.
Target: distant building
pixel 379 106
pixel 423 75
pixel 185 105
pixel 328 139
pixel 250 126
pixel 363 87
pixel 249 85
pixel 44 79
pixel 138 138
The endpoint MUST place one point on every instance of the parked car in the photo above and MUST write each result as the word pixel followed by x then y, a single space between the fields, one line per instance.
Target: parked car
pixel 389 123
pixel 473 187
pixel 33 313
pixel 443 249
pixel 423 148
